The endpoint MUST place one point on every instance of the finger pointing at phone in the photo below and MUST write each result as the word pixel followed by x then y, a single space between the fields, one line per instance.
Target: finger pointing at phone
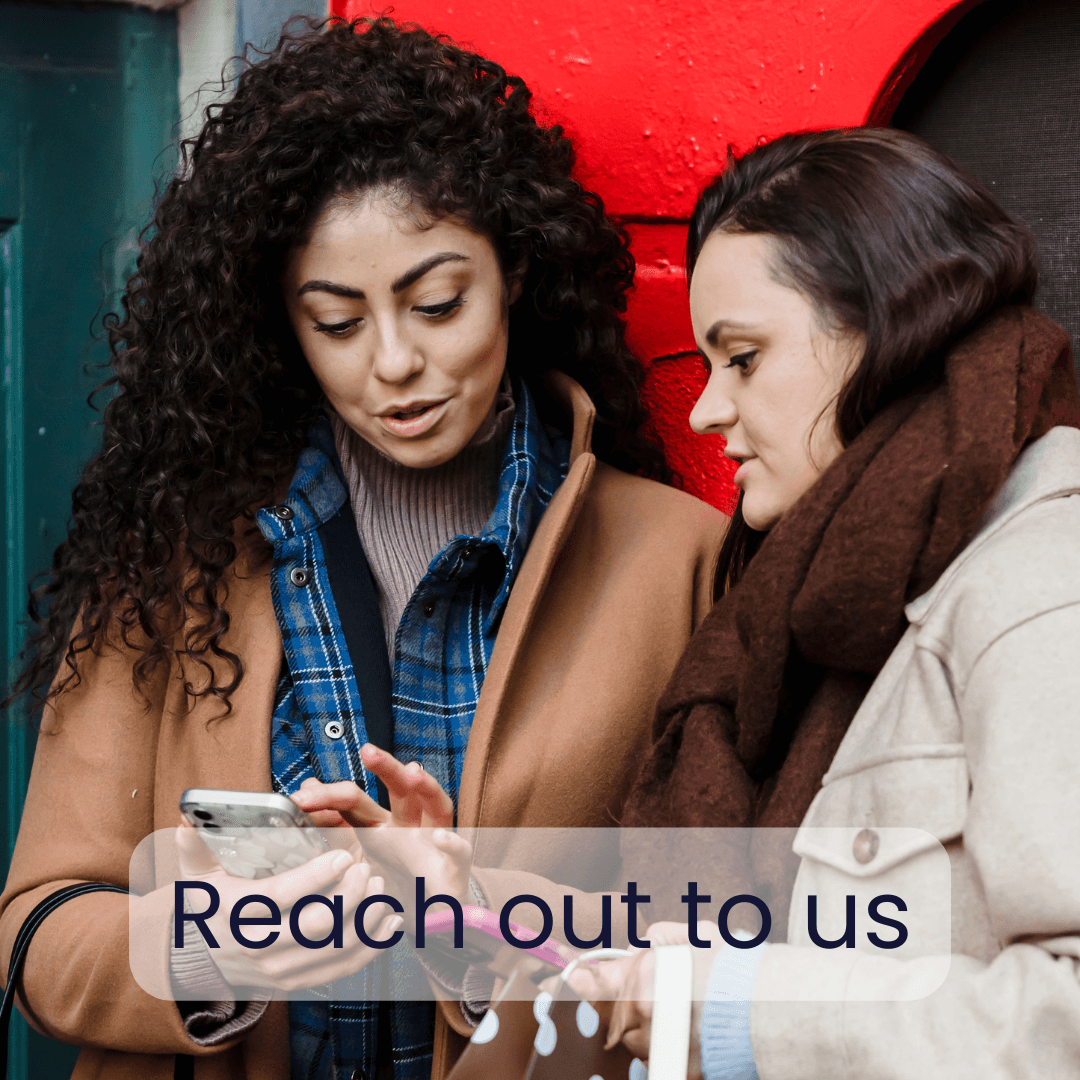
pixel 416 797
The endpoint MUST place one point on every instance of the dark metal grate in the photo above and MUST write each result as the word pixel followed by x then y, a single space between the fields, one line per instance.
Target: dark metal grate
pixel 1001 95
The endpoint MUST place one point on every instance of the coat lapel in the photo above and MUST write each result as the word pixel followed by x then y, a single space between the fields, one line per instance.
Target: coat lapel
pixel 548 540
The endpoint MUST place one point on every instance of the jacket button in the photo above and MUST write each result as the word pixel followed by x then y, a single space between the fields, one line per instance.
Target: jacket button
pixel 283 513
pixel 334 729
pixel 429 608
pixel 866 846
pixel 357 1074
pixel 299 576
pixel 468 551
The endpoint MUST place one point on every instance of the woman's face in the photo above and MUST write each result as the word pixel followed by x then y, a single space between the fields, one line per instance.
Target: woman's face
pixel 774 374
pixel 404 324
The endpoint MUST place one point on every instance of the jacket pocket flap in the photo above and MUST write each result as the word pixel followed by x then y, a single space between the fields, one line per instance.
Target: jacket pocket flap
pixel 876 815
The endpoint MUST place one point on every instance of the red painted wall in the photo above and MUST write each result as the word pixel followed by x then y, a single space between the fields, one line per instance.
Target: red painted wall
pixel 654 91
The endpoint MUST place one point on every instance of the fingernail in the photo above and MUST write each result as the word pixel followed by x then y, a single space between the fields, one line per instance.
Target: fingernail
pixel 341 862
pixel 396 923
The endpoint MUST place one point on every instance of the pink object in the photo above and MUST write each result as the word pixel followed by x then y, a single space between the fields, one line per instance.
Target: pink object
pixel 483 938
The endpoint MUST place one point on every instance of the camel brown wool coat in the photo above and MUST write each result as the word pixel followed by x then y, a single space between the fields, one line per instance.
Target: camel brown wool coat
pixel 618 575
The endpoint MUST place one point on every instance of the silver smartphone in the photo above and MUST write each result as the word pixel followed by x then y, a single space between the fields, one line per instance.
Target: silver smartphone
pixel 253 834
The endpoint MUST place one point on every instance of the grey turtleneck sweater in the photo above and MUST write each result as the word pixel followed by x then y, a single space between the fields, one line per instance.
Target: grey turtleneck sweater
pixel 405 516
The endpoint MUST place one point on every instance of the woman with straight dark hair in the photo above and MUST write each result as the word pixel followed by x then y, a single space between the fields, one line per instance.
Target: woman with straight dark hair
pixel 374 492
pixel 892 666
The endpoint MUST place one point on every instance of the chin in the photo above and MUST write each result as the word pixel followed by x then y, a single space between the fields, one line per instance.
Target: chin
pixel 417 456
pixel 759 518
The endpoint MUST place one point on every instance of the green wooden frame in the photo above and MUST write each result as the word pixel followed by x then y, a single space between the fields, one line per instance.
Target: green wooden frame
pixel 88 112
pixel 14 580
pixel 11 365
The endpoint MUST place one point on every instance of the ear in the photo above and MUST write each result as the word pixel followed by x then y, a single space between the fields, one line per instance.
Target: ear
pixel 515 282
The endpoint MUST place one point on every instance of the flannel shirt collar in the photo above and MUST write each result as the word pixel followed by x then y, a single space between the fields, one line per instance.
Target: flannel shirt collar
pixel 532 468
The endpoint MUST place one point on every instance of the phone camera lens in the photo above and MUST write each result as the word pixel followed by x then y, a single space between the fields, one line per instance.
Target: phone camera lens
pixel 204 815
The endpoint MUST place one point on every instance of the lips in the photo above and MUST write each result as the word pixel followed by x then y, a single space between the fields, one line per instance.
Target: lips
pixel 742 460
pixel 413 418
pixel 411 412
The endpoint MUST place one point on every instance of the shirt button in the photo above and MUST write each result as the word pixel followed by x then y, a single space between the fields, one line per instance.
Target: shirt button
pixel 866 846
pixel 334 729
pixel 429 608
pixel 299 576
pixel 283 513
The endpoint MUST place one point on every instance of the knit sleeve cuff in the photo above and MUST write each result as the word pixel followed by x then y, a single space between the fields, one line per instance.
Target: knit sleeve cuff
pixel 471 984
pixel 726 1052
pixel 216 1017
pixel 193 970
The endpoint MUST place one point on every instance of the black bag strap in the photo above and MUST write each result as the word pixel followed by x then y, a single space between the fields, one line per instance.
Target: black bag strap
pixel 184 1067
pixel 357 601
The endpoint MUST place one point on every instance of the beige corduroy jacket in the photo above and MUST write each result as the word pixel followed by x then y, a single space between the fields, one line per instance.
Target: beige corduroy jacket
pixel 970 735
pixel 618 575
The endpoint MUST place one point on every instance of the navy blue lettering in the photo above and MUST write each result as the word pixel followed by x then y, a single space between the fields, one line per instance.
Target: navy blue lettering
pixel 361 911
pixel 725 911
pixel 847 939
pixel 422 906
pixel 504 921
pixel 336 935
pixel 899 927
pixel 180 916
pixel 238 921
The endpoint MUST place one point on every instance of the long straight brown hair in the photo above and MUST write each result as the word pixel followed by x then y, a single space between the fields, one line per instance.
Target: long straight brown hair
pixel 887 238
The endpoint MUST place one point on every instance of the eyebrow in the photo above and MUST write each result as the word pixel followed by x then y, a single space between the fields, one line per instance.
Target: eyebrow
pixel 410 277
pixel 712 335
pixel 330 287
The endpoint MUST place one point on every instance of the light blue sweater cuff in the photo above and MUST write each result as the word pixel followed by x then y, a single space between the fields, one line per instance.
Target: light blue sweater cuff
pixel 726 1053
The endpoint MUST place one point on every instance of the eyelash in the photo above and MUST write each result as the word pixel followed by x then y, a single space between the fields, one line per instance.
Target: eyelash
pixel 335 329
pixel 433 312
pixel 436 311
pixel 743 360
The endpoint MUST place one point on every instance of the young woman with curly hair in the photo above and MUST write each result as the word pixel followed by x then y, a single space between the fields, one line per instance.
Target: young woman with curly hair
pixel 374 473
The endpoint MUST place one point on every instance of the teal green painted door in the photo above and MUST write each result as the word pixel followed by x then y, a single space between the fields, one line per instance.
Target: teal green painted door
pixel 87 111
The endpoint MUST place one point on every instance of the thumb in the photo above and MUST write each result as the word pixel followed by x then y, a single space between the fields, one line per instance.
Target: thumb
pixel 623 1020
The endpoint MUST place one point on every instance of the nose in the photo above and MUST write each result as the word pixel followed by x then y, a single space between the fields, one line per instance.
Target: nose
pixel 397 357
pixel 715 412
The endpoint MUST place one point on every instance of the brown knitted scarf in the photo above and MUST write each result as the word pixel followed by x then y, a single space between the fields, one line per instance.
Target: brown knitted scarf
pixel 756 708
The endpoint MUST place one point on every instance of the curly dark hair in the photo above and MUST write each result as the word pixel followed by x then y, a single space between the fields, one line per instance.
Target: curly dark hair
pixel 214 394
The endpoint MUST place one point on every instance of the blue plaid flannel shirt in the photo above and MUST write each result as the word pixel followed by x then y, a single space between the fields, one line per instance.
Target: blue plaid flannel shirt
pixel 441 652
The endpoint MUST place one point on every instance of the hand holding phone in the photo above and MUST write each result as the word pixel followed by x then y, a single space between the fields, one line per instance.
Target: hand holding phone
pixel 284 964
